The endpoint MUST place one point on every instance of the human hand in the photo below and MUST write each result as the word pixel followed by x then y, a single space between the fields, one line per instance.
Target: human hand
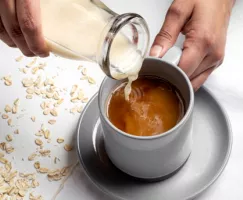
pixel 204 23
pixel 20 26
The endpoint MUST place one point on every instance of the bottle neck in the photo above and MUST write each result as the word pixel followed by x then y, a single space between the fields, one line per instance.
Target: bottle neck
pixel 124 35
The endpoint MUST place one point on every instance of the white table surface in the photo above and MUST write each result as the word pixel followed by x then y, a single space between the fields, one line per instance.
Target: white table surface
pixel 226 84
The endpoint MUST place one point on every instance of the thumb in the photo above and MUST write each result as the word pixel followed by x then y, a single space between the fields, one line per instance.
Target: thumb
pixel 175 19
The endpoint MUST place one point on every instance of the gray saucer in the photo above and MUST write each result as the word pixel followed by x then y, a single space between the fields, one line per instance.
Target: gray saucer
pixel 212 139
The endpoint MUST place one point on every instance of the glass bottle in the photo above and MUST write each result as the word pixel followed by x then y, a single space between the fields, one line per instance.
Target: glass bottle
pixel 89 30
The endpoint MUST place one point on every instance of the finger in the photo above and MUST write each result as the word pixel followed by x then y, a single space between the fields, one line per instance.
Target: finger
pixel 175 19
pixel 10 22
pixel 198 81
pixel 192 56
pixel 28 13
pixel 4 35
pixel 207 63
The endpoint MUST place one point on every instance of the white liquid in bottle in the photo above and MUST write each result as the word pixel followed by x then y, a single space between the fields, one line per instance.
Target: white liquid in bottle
pixel 79 37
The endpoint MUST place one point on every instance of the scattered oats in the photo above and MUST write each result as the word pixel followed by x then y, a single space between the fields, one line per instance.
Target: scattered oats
pixel 22 193
pixel 33 118
pixel 23 70
pixel 10 176
pixel 9 138
pixel 30 176
pixel 27 82
pixel 9 122
pixel 37 165
pixel 84 78
pixel 8 148
pixel 34 70
pixel 47 134
pixel 32 157
pixel 7 80
pixel 38 92
pixel 56 96
pixel 74 100
pixel 46 112
pixel 2 145
pixel 34 183
pixel 15 109
pixel 16 102
pixel 8 166
pixel 16 131
pixel 80 109
pixel 29 96
pixel 8 108
pixel 32 197
pixel 60 101
pixel 43 105
pixel 11 192
pixel 52 121
pixel 80 67
pixel 65 171
pixel 4 190
pixel 84 71
pixel 85 100
pixel 32 62
pixel 48 81
pixel 42 91
pixel 30 91
pixel 91 80
pixel 38 142
pixel 74 110
pixel 60 140
pixel 68 147
pixel 3 160
pixel 73 90
pixel 55 175
pixel 49 95
pixel 4 116
pixel 43 170
pixel 45 153
pixel 18 59
pixel 42 65
pixel 54 112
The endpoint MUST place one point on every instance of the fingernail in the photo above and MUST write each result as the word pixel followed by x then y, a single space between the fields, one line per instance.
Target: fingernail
pixel 155 51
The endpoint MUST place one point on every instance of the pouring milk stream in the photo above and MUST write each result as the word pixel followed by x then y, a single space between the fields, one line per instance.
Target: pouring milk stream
pixel 88 30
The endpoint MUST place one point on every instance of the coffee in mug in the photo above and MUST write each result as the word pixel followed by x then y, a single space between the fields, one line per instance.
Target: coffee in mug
pixel 154 107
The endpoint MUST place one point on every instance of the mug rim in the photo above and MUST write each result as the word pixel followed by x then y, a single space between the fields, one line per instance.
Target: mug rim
pixel 164 134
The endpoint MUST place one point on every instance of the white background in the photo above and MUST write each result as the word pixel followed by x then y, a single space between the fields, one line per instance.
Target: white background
pixel 226 83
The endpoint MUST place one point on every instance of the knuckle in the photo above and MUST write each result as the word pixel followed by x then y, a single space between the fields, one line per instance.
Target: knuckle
pixel 15 32
pixel 218 56
pixel 28 26
pixel 208 40
pixel 165 34
pixel 205 39
pixel 175 11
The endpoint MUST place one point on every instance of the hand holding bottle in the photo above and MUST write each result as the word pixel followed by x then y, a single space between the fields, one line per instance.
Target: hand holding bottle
pixel 20 26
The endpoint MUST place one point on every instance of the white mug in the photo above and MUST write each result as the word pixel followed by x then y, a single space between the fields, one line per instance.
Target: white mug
pixel 151 157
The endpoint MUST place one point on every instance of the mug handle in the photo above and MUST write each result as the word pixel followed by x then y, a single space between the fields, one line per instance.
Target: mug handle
pixel 173 55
